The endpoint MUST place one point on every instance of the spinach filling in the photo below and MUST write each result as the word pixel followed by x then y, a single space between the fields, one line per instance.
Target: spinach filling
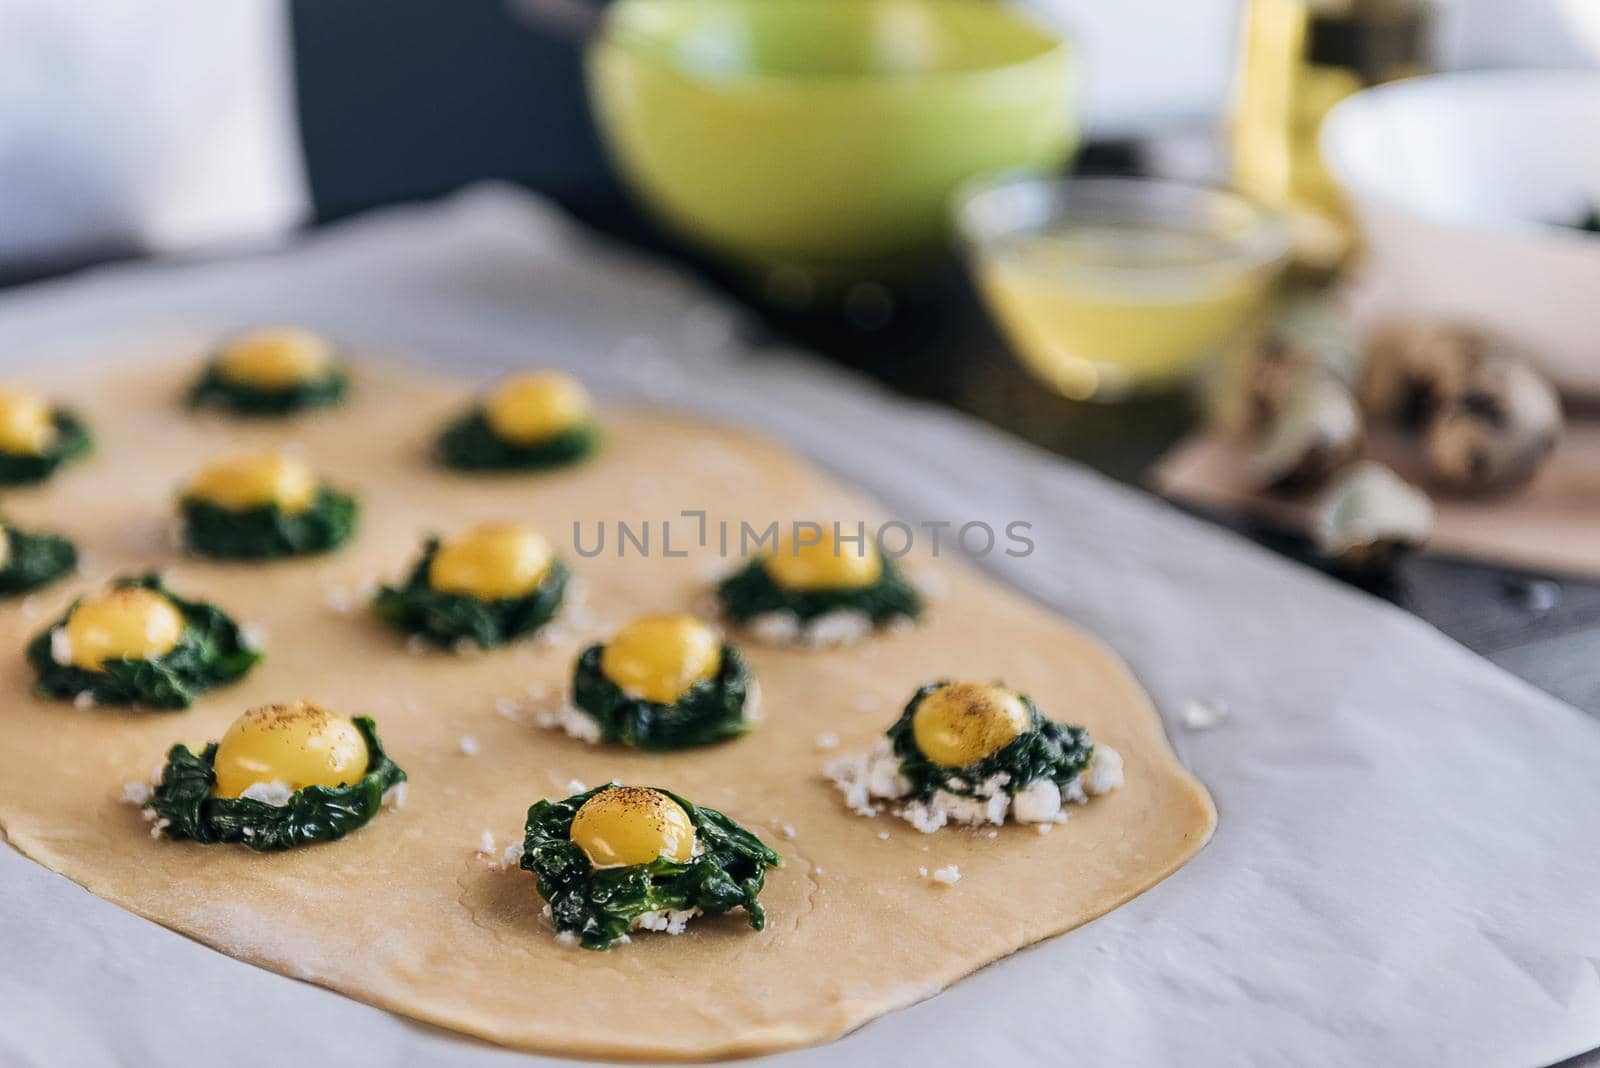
pixel 212 388
pixel 750 592
pixel 71 442
pixel 1050 750
pixel 712 710
pixel 34 560
pixel 470 444
pixel 267 531
pixel 599 905
pixel 210 652
pixel 445 618
pixel 312 814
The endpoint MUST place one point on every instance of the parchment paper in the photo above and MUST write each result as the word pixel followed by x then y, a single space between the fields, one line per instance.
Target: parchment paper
pixel 1405 868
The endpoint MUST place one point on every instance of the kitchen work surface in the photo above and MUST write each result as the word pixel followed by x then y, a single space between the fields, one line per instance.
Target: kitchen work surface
pixel 1403 867
pixel 854 927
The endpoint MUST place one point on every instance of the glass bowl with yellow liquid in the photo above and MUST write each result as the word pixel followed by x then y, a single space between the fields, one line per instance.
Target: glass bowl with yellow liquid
pixel 1112 287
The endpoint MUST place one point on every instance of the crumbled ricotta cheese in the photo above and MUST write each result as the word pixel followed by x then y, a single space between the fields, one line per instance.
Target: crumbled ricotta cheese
pixel 274 793
pixel 1105 771
pixel 871 780
pixel 831 630
pixel 486 844
pixel 60 646
pixel 506 708
pixel 29 607
pixel 469 745
pixel 788 830
pixel 339 601
pixel 1202 715
pixel 671 921
pixel 574 722
pixel 159 826
pixel 575 786
pixel 395 796
pixel 827 740
pixel 84 701
pixel 253 636
pixel 948 875
pixel 136 793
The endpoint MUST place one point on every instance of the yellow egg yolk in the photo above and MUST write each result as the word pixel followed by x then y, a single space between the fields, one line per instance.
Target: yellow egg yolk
pixel 275 358
pixel 256 480
pixel 299 745
pixel 806 560
pixel 530 408
pixel 627 825
pixel 964 722
pixel 659 658
pixel 27 425
pixel 129 623
pixel 492 562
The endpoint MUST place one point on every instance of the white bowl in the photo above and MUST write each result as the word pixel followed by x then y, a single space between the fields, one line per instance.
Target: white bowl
pixel 1460 183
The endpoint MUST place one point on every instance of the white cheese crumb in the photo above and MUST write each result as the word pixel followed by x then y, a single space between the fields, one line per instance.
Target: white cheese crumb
pixel 575 786
pixel 253 636
pixel 1203 715
pixel 670 921
pixel 831 630
pixel 274 793
pixel 789 831
pixel 510 857
pixel 29 607
pixel 1038 802
pixel 866 703
pixel 948 875
pixel 507 708
pixel 931 584
pixel 573 721
pixel 883 836
pixel 1105 771
pixel 567 938
pixel 339 601
pixel 395 796
pixel 827 740
pixel 469 745
pixel 486 846
pixel 1044 828
pixel 84 701
pixel 136 793
pixel 923 871
pixel 158 827
pixel 60 646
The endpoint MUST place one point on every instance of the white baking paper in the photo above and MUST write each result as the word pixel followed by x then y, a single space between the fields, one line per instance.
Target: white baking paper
pixel 1406 869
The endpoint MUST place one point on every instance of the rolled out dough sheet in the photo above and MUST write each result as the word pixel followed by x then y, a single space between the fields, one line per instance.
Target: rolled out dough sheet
pixel 405 914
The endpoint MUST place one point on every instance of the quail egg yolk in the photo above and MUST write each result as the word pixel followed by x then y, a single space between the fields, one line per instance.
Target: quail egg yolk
pixel 275 358
pixel 256 480
pixel 129 623
pixel 530 408
pixel 964 722
pixel 27 426
pixel 659 658
pixel 299 745
pixel 828 563
pixel 492 562
pixel 629 825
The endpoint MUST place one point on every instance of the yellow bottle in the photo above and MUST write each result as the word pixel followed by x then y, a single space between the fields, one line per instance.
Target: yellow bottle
pixel 1297 59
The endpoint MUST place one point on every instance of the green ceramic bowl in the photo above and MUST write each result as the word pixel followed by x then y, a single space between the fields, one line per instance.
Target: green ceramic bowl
pixel 826 135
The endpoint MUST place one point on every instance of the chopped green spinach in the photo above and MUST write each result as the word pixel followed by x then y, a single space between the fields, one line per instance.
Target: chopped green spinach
pixel 470 444
pixel 267 531
pixel 1050 750
pixel 212 388
pixel 750 592
pixel 71 442
pixel 712 710
pixel 599 905
pixel 312 814
pixel 444 619
pixel 210 652
pixel 34 560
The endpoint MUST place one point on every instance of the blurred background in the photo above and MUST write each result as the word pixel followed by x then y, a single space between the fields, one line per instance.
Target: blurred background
pixel 1319 270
